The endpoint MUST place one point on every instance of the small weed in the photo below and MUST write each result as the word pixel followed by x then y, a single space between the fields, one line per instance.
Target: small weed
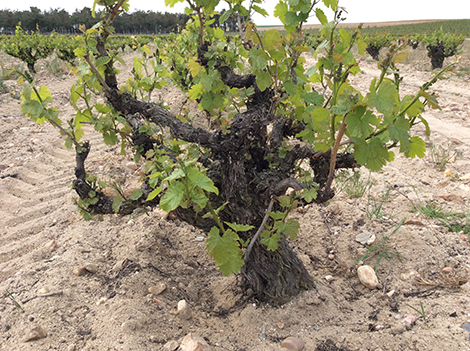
pixel 432 210
pixel 381 249
pixel 14 300
pixel 455 221
pixel 352 185
pixel 15 95
pixel 459 223
pixel 57 67
pixel 375 205
pixel 464 71
pixel 3 87
pixel 440 156
pixel 420 310
pixel 7 73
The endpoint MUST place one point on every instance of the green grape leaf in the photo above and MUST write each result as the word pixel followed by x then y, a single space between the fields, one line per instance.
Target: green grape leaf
pixel 110 138
pixel 361 47
pixel 309 194
pixel 281 10
pixel 260 10
pixel 413 110
pixel 271 241
pixel 172 3
pixel 239 227
pixel 225 16
pixel 312 98
pixel 431 100
pixel 258 59
pixel 398 131
pixel 386 99
pixel 173 196
pixel 200 200
pixel 201 180
pixel 291 21
pixel 195 91
pixel 276 215
pixel 321 16
pixel 34 110
pixel 136 194
pixel 291 228
pixel 225 250
pixel 374 155
pixel 285 201
pixel 417 148
pixel 117 201
pixel 272 39
pixel 194 67
pixel 154 193
pixel 333 4
pixel 263 80
pixel 359 122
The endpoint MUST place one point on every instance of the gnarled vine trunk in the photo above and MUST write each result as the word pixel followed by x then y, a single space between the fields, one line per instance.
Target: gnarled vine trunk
pixel 239 167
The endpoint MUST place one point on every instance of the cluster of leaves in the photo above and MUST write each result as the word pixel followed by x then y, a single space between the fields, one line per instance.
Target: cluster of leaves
pixel 377 42
pixel 441 45
pixel 29 48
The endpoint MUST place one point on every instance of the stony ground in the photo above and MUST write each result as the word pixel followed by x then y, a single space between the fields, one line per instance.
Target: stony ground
pixel 115 284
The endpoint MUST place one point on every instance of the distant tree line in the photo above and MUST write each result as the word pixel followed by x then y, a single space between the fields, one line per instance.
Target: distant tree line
pixel 59 20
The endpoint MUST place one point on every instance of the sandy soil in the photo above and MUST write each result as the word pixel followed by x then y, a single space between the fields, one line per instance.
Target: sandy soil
pixel 44 241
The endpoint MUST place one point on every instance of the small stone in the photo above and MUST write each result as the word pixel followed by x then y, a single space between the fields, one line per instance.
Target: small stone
pixel 101 301
pixel 379 327
pixel 80 271
pixel 331 257
pixel 184 310
pixel 465 287
pixel 157 289
pixel 131 165
pixel 91 268
pixel 447 172
pixel 409 321
pixel 194 343
pixel 365 238
pixel 51 246
pixel 200 238
pixel 464 187
pixel 329 278
pixel 43 291
pixel 129 326
pixel 465 177
pixel 36 333
pixel 452 198
pixel 293 344
pixel 408 276
pixel 367 277
pixel 171 345
pixel 280 325
pixel 391 293
pixel 399 329
pixel 447 270
pixel 192 292
pixel 463 238
pixel 413 222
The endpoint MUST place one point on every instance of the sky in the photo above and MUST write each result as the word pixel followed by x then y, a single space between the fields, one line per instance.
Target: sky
pixel 358 10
